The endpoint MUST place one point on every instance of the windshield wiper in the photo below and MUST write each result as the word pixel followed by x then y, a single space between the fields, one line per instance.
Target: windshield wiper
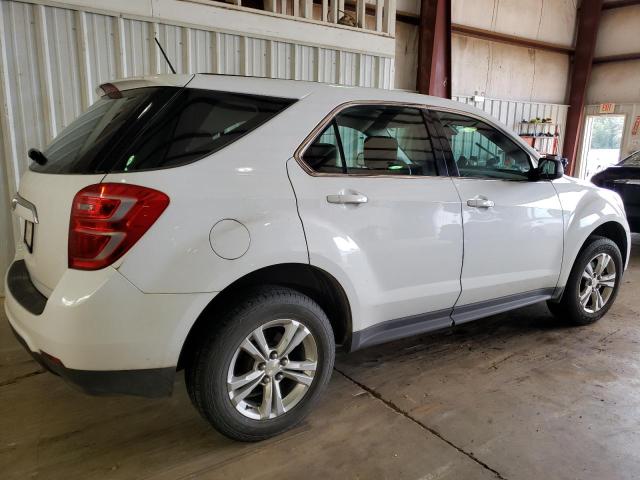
pixel 37 156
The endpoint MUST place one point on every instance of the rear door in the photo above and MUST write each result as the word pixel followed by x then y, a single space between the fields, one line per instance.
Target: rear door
pixel 380 212
pixel 513 227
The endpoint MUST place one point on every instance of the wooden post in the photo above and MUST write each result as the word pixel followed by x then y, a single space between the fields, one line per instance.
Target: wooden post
pixel 307 8
pixel 389 17
pixel 588 21
pixel 379 5
pixel 333 11
pixel 361 13
pixel 434 48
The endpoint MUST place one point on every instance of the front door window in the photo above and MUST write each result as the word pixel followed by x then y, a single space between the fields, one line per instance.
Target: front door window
pixel 482 151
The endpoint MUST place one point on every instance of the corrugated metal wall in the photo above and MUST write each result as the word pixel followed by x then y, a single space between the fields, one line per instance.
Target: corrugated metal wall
pixel 51 60
pixel 512 113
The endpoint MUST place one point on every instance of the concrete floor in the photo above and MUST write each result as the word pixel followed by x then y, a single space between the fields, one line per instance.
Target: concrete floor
pixel 515 396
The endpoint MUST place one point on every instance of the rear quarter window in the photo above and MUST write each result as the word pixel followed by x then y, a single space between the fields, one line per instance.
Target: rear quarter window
pixel 155 127
pixel 198 123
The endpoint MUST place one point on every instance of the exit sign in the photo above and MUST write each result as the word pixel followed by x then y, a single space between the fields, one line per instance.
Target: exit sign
pixel 607 107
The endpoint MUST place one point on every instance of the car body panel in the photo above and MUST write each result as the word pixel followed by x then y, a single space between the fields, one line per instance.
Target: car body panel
pixel 99 321
pixel 52 196
pixel 168 80
pixel 251 190
pixel 624 179
pixel 401 251
pixel 514 246
pixel 586 207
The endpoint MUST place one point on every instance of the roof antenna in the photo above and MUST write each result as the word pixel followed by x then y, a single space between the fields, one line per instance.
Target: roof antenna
pixel 173 70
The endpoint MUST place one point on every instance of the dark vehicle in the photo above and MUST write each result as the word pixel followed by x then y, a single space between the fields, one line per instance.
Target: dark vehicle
pixel 624 178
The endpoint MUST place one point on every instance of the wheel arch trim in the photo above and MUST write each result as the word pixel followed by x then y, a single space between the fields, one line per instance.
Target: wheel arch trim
pixel 308 279
pixel 575 244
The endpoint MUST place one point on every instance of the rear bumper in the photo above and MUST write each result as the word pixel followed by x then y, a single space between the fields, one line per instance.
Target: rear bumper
pixel 151 383
pixel 101 333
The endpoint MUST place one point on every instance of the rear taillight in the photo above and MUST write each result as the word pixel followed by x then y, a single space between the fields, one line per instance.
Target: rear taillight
pixel 107 219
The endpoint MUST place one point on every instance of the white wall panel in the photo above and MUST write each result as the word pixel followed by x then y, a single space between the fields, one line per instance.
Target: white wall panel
pixel 52 59
pixel 546 20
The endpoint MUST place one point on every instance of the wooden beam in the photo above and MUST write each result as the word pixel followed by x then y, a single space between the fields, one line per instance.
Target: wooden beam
pixel 426 38
pixel 588 22
pixel 434 48
pixel 509 39
pixel 624 57
pixel 620 4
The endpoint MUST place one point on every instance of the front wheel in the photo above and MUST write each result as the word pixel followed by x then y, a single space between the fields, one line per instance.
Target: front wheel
pixel 263 369
pixel 592 285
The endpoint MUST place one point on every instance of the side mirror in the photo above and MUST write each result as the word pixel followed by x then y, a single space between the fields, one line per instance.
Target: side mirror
pixel 550 168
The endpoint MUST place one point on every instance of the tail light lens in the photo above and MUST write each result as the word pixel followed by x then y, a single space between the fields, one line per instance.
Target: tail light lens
pixel 107 219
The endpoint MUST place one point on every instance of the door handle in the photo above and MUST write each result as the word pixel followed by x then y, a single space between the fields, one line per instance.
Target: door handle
pixel 480 203
pixel 347 199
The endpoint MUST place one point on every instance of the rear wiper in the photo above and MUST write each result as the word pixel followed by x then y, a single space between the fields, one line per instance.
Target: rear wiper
pixel 37 156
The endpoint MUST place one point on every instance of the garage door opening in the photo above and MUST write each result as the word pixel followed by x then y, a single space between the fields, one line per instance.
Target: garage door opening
pixel 602 141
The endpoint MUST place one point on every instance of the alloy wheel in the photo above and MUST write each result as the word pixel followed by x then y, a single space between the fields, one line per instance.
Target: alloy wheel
pixel 597 283
pixel 272 369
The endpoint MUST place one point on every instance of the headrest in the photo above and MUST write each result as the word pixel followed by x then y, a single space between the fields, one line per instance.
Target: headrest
pixel 321 154
pixel 380 152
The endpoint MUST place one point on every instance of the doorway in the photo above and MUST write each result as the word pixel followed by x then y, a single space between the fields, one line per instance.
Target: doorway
pixel 601 143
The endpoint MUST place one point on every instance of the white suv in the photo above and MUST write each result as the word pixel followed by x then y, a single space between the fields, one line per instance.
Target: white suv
pixel 240 228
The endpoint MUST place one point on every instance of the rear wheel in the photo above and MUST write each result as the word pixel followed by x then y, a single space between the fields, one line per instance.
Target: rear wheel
pixel 592 285
pixel 264 368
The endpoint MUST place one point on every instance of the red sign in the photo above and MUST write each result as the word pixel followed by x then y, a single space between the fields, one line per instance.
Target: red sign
pixel 636 127
pixel 607 107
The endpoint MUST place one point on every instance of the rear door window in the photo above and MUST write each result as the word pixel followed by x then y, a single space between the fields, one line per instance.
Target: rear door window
pixel 156 127
pixel 375 140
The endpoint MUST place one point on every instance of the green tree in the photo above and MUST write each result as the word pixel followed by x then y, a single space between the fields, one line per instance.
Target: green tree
pixel 607 132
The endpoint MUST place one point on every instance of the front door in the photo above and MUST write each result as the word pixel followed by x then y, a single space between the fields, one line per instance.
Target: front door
pixel 381 215
pixel 513 227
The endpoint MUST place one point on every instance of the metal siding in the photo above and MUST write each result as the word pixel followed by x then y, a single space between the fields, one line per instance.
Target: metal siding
pixel 305 62
pixel 257 57
pixel 348 63
pixel 282 57
pixel 511 112
pixel 326 65
pixel 53 58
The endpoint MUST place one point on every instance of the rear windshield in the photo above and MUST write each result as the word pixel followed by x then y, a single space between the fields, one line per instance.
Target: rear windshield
pixel 155 127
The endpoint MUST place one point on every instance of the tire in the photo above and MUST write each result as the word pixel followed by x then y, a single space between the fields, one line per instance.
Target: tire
pixel 570 308
pixel 231 354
